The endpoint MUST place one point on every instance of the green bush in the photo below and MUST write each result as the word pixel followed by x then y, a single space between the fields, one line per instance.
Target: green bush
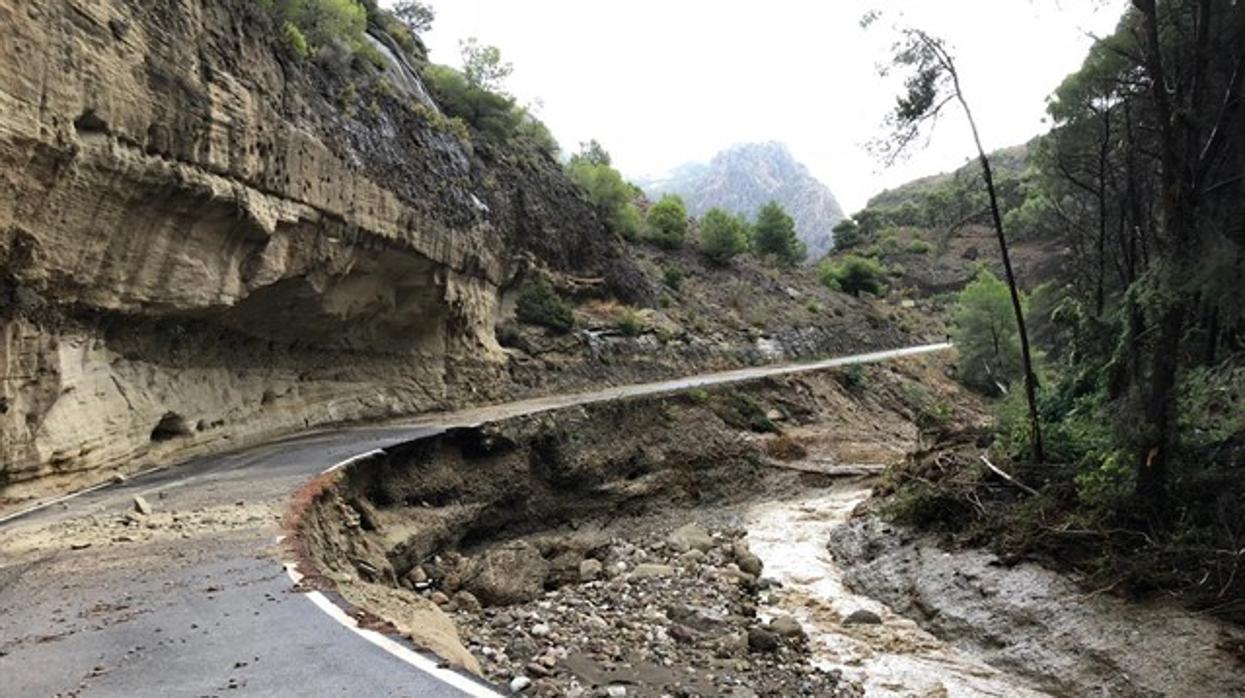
pixel 984 330
pixel 631 324
pixel 494 113
pixel 673 278
pixel 667 222
pixel 854 275
pixel 539 304
pixel 439 121
pixel 847 234
pixel 607 190
pixel 722 235
pixel 774 235
pixel 322 23
pixel 294 40
pixel 919 246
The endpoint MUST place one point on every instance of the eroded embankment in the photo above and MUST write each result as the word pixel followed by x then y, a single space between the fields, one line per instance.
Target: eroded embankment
pixel 607 544
pixel 677 545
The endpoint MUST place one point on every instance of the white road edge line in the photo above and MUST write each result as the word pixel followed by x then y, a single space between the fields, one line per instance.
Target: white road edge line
pixel 405 654
pixel 352 460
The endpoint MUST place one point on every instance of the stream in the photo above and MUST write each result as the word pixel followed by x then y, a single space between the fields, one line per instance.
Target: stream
pixel 894 658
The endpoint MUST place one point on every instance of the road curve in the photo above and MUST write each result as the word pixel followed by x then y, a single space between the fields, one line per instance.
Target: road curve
pixel 203 606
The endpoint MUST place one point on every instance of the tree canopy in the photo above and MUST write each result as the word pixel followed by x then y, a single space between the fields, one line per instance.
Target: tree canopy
pixel 774 235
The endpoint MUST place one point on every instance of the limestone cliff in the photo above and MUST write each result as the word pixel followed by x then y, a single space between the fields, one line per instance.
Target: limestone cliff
pixel 202 243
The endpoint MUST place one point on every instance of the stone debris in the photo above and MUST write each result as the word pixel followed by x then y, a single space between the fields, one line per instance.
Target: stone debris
pixel 862 617
pixel 141 506
pixel 648 617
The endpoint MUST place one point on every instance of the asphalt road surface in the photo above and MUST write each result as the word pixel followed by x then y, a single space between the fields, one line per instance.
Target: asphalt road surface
pixel 194 600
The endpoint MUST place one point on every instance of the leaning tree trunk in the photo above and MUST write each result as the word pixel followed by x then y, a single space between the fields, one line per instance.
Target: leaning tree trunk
pixel 1035 426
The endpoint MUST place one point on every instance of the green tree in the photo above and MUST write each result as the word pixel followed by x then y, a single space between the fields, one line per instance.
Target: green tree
pixel 417 16
pixel 853 274
pixel 722 235
pixel 606 189
pixel 593 152
pixel 483 67
pixel 774 234
pixel 847 234
pixel 985 334
pixel 667 222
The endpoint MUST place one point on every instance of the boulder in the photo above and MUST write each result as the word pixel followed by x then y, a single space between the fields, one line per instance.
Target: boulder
pixel 141 506
pixel 649 570
pixel 590 569
pixel 692 536
pixel 786 626
pixel 762 640
pixel 747 561
pixel 466 601
pixel 513 574
pixel 862 617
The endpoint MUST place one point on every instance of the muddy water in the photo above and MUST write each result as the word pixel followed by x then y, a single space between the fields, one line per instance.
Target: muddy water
pixel 895 658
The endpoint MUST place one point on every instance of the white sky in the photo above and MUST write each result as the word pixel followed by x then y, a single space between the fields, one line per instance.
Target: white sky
pixel 662 82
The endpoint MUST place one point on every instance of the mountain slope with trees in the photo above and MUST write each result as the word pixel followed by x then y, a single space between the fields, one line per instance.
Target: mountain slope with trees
pixel 745 177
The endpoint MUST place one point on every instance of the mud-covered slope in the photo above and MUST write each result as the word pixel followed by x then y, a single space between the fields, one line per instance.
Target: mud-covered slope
pixel 201 240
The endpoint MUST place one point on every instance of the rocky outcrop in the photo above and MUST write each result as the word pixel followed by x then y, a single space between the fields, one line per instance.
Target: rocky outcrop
pixel 204 241
pixel 745 177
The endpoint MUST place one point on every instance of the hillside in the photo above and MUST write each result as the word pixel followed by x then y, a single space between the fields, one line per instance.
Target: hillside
pixel 743 178
pixel 213 179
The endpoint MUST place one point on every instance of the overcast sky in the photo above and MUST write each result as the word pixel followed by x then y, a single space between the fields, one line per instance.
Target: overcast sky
pixel 662 82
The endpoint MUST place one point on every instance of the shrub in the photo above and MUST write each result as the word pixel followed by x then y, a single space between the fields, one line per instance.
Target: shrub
pixel 854 378
pixel 847 234
pixel 673 278
pixel 722 235
pixel 698 396
pixel 814 307
pixel 919 246
pixel 853 274
pixel 607 190
pixel 439 121
pixel 539 304
pixel 774 234
pixel 667 222
pixel 294 40
pixel 324 22
pixel 631 324
pixel 491 112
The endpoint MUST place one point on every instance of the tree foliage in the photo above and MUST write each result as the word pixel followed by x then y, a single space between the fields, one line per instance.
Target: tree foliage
pixel 985 334
pixel 483 67
pixel 667 222
pixel 539 304
pixel 847 234
pixel 415 15
pixel 316 26
pixel 606 189
pixel 774 235
pixel 722 235
pixel 855 275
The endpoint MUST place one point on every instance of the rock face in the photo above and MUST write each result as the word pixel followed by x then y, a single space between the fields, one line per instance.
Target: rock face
pixel 745 177
pixel 202 243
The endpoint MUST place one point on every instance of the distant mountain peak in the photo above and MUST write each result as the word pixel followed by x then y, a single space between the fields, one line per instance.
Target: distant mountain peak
pixel 744 177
